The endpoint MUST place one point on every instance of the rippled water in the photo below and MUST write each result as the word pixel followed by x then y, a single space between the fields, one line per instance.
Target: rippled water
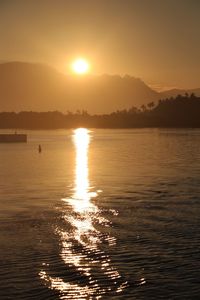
pixel 101 214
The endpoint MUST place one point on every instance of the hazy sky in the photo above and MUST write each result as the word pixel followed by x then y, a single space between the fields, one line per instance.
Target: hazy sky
pixel 156 40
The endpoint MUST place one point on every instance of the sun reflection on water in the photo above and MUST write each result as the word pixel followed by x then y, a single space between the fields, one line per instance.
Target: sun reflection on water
pixel 80 244
pixel 81 140
pixel 82 194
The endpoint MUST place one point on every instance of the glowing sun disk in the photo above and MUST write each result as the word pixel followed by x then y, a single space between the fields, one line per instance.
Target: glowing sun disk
pixel 80 66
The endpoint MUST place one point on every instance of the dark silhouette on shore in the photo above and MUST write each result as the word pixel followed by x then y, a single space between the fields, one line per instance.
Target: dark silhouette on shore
pixel 182 111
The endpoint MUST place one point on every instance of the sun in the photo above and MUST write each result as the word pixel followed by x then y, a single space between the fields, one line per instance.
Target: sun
pixel 80 66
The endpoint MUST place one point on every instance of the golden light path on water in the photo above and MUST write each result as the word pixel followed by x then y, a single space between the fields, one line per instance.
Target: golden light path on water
pixel 81 243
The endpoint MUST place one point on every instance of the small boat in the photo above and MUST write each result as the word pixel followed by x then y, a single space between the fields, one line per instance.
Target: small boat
pixel 13 138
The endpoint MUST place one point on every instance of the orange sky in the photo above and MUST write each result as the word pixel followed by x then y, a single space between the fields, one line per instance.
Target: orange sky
pixel 158 41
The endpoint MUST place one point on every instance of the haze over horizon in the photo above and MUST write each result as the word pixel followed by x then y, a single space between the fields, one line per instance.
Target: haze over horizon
pixel 153 40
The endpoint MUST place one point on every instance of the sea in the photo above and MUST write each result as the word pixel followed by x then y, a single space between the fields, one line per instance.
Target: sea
pixel 100 214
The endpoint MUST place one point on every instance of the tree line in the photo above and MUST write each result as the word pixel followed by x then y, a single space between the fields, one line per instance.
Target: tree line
pixel 181 111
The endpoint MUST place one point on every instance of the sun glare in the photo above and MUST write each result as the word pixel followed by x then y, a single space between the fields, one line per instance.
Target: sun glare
pixel 80 66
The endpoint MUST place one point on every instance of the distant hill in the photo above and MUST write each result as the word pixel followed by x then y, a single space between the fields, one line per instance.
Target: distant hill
pixel 37 87
pixel 179 112
pixel 175 92
pixel 26 86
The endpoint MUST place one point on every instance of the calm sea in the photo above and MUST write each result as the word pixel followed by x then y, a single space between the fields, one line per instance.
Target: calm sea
pixel 101 214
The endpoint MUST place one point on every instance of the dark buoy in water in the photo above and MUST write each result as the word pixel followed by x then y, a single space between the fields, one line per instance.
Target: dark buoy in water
pixel 39 149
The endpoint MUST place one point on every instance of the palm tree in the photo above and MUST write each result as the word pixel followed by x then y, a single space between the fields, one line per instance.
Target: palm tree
pixel 150 105
pixel 143 108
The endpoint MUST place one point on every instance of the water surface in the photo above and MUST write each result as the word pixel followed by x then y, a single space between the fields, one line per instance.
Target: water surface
pixel 101 214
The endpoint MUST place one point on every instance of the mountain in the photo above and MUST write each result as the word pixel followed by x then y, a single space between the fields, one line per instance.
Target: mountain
pixel 36 87
pixel 25 86
pixel 175 92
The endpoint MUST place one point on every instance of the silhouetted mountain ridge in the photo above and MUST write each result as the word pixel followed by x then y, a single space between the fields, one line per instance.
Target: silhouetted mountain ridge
pixel 37 87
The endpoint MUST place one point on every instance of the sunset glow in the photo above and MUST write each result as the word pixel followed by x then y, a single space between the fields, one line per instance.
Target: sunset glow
pixel 80 66
pixel 100 149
